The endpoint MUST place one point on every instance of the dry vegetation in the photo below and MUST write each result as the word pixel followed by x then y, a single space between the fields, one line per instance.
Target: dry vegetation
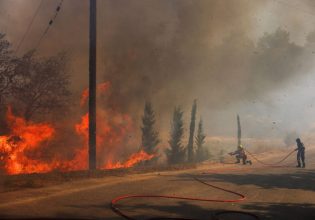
pixel 38 180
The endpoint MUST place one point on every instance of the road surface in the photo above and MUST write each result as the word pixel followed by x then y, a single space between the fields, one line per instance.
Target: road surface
pixel 284 193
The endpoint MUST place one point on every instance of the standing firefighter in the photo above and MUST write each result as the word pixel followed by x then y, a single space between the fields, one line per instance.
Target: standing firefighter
pixel 300 153
pixel 240 155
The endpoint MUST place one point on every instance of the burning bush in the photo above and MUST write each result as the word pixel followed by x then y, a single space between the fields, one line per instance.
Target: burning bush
pixel 23 149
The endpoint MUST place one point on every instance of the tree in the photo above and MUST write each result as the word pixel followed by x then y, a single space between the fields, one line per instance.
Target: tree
pixel 7 74
pixel 150 138
pixel 41 85
pixel 7 66
pixel 190 146
pixel 239 131
pixel 202 153
pixel 278 58
pixel 176 153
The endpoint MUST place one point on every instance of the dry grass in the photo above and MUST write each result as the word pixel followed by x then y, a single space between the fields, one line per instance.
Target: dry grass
pixel 38 180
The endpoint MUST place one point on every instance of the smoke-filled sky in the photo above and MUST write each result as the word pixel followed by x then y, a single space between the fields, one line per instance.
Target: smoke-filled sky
pixel 254 58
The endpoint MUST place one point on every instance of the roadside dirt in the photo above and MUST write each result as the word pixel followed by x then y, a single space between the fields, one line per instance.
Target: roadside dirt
pixel 286 193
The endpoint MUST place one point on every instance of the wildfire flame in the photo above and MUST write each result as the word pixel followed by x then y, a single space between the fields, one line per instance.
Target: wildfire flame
pixel 22 150
pixel 84 97
pixel 134 159
pixel 102 88
pixel 25 137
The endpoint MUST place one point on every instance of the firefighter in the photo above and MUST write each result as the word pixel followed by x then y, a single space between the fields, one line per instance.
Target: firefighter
pixel 241 155
pixel 300 153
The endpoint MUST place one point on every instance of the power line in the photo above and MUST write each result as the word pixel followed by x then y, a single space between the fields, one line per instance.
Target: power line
pixel 29 27
pixel 49 24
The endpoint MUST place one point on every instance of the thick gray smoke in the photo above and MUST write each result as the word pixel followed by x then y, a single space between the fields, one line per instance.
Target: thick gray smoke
pixel 171 51
pixel 174 51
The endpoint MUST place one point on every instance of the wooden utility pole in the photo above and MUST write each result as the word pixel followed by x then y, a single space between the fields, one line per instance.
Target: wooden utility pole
pixel 92 87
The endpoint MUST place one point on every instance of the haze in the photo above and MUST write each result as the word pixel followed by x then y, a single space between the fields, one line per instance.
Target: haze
pixel 171 52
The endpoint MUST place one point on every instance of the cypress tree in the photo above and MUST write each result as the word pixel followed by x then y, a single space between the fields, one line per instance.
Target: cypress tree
pixel 176 153
pixel 202 154
pixel 150 136
pixel 190 146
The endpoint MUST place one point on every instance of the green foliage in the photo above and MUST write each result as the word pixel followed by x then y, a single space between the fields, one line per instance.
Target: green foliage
pixel 150 137
pixel 202 153
pixel 190 146
pixel 176 153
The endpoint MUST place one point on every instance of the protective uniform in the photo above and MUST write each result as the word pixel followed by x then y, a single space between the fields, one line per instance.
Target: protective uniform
pixel 240 155
pixel 300 153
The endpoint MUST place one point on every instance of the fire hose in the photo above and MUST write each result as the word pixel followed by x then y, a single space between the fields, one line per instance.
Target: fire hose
pixel 273 164
pixel 216 215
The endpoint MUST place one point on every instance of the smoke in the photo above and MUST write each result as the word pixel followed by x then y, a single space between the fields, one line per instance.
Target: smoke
pixel 165 50
pixel 171 52
pixel 174 51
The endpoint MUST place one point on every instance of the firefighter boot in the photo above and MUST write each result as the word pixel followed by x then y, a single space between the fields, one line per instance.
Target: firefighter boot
pixel 303 165
pixel 299 164
pixel 244 161
pixel 238 160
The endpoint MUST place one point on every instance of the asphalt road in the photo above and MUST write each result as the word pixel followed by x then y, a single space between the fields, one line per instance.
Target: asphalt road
pixel 285 193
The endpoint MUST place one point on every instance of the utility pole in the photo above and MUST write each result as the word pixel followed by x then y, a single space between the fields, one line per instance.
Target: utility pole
pixel 92 87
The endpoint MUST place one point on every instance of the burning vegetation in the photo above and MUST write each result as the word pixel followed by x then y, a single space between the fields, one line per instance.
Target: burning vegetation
pixel 35 102
pixel 35 86
pixel 172 59
pixel 21 151
pixel 38 135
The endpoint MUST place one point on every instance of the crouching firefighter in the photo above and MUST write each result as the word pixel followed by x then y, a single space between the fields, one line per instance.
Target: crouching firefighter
pixel 241 155
pixel 300 153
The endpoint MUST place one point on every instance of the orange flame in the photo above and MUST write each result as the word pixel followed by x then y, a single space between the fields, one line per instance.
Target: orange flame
pixel 22 151
pixel 84 97
pixel 110 135
pixel 24 137
pixel 133 160
pixel 101 88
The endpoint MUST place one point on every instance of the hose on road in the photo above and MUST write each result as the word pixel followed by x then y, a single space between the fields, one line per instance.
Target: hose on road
pixel 216 215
